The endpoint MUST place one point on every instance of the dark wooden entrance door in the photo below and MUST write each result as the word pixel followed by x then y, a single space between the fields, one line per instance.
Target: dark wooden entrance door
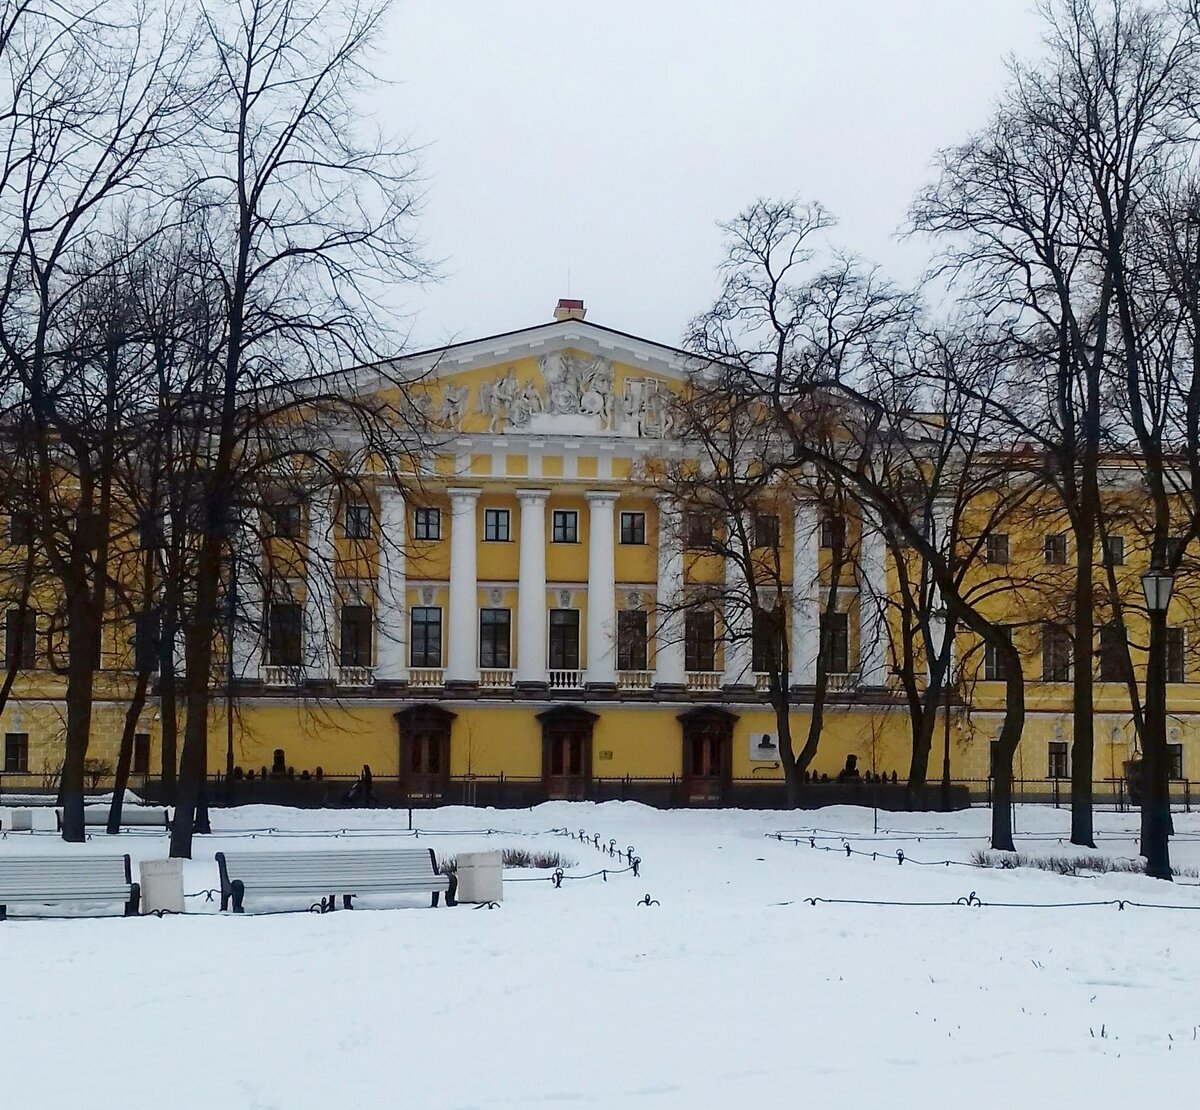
pixel 707 755
pixel 424 753
pixel 567 753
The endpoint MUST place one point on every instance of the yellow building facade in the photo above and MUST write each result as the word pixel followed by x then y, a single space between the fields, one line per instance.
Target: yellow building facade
pixel 509 626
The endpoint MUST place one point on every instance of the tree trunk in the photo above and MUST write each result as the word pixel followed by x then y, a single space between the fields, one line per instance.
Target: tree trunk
pixel 168 708
pixel 125 755
pixel 1083 741
pixel 1002 769
pixel 82 643
pixel 791 771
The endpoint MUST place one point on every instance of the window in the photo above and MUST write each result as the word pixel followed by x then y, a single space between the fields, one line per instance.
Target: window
pixel 283 634
pixel 1176 661
pixel 1058 760
pixel 496 526
pixel 427 524
pixel 1112 654
pixel 1056 653
pixel 995 667
pixel 356 637
pixel 20 528
pixel 1175 761
pixel 565 524
pixel 835 643
pixel 425 644
pixel 996 551
pixel 697 531
pixel 768 641
pixel 564 639
pixel 633 528
pixel 20 639
pixel 358 522
pixel 150 531
pixel 495 626
pixel 16 751
pixel 766 530
pixel 285 520
pixel 147 645
pixel 1114 551
pixel 141 753
pixel 631 640
pixel 699 642
pixel 833 533
pixel 1055 549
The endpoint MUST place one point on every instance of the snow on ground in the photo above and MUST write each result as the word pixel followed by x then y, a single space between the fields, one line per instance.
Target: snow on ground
pixel 732 990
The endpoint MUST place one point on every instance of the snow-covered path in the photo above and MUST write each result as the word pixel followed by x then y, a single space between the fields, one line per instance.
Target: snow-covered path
pixel 732 989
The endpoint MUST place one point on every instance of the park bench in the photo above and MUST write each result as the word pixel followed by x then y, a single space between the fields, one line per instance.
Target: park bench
pixel 131 817
pixel 57 879
pixel 326 874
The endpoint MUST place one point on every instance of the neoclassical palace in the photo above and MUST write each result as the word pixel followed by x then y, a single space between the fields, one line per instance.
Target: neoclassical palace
pixel 513 623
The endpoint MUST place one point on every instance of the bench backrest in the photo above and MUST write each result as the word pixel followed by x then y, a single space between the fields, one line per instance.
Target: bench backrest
pixel 372 865
pixel 97 816
pixel 64 876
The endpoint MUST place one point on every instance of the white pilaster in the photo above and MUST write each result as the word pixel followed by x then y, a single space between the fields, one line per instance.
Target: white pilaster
pixel 602 590
pixel 806 594
pixel 462 658
pixel 249 635
pixel 872 598
pixel 531 589
pixel 391 612
pixel 739 625
pixel 669 659
pixel 319 631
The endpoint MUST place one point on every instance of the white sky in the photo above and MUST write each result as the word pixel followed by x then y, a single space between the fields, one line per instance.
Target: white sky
pixel 607 138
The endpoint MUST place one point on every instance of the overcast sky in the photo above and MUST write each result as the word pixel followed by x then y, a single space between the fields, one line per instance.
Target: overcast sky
pixel 606 139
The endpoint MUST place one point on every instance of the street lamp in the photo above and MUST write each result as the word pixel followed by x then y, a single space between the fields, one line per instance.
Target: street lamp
pixel 1156 797
pixel 1157 586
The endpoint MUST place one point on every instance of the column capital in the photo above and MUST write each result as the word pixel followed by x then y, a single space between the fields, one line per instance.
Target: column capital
pixel 532 495
pixel 602 496
pixel 464 493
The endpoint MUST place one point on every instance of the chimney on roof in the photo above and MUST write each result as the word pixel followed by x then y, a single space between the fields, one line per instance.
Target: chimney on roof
pixel 567 309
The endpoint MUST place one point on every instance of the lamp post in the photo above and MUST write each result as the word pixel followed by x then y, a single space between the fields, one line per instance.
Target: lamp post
pixel 1156 799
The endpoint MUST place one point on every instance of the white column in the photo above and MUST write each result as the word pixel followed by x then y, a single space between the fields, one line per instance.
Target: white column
pixel 806 594
pixel 872 596
pixel 669 659
pixel 940 520
pixel 249 635
pixel 319 616
pixel 391 612
pixel 531 589
pixel 602 590
pixel 462 658
pixel 739 625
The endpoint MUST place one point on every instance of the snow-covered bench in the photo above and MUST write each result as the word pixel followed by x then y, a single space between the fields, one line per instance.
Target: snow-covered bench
pixel 326 874
pixel 57 880
pixel 131 817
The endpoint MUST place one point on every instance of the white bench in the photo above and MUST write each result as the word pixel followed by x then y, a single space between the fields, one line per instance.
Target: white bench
pixel 131 817
pixel 326 874
pixel 55 880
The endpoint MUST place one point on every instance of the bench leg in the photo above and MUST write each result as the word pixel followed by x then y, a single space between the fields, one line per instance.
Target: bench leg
pixel 347 904
pixel 3 913
pixel 238 890
pixel 452 893
pixel 435 899
pixel 135 898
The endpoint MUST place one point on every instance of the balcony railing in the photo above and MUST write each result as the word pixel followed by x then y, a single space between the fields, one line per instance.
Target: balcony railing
pixel 496 679
pixel 566 680
pixel 273 675
pixel 839 683
pixel 762 681
pixel 426 677
pixel 355 676
pixel 635 680
pixel 704 680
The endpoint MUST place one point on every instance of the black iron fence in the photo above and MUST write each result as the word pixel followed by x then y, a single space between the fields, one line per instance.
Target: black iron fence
pixel 508 792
